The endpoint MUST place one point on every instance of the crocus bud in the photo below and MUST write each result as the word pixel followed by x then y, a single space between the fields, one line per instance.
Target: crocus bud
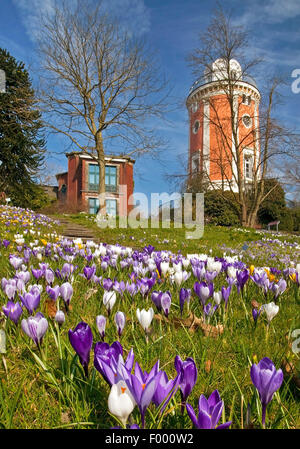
pixel 109 299
pixel 145 317
pixel 270 310
pixel 82 339
pixel 120 322
pixel 101 323
pixel 120 401
pixel 218 298
pixel 60 317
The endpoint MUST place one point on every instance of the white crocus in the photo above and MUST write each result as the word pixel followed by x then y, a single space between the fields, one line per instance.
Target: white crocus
pixel 270 309
pixel 218 297
pixel 109 299
pixel 164 267
pixel 145 317
pixel 120 401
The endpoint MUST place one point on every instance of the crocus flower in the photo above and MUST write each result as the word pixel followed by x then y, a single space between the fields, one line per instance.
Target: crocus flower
pixel 163 388
pixel 82 339
pixel 203 291
pixel 188 373
pixel 109 299
pixel 108 360
pixel 166 302
pixel 101 324
pixel 279 288
pixel 184 296
pixel 145 318
pixel 31 301
pixel 66 292
pixel 217 297
pixel 120 320
pixel 267 380
pixel 225 294
pixel 12 311
pixel 35 327
pixel 60 317
pixel 143 386
pixel 121 402
pixel 210 411
pixel 89 271
pixel 241 277
pixel 156 298
pixel 270 309
pixel 256 313
pixel 53 292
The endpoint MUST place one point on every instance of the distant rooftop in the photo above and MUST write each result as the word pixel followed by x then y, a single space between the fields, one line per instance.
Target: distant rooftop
pixel 107 156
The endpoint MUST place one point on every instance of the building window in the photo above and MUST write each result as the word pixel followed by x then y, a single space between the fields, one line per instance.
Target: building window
pixel 194 107
pixel 63 189
pixel 93 205
pixel 111 207
pixel 246 99
pixel 195 164
pixel 196 126
pixel 110 178
pixel 248 166
pixel 247 121
pixel 93 177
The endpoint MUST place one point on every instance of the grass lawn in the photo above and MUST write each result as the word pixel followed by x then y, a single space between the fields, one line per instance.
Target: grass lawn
pixel 45 385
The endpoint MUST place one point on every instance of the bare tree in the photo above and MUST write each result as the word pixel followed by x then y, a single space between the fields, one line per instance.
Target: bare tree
pixel 215 62
pixel 100 87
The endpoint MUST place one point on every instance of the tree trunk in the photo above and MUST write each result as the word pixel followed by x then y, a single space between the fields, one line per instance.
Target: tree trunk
pixel 101 164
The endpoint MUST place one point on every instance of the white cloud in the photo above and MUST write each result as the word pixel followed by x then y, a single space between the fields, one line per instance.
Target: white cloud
pixel 133 13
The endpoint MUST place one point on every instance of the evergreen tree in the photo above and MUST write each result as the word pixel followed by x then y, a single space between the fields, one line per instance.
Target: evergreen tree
pixel 22 145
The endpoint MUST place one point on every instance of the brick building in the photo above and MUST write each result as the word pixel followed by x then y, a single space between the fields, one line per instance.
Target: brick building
pixel 78 187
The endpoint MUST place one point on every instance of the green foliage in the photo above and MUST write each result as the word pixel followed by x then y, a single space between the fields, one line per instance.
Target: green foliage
pixel 219 211
pixel 274 206
pixel 30 196
pixel 21 141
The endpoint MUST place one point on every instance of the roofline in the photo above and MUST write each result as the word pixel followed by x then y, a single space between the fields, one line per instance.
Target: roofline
pixel 200 86
pixel 108 157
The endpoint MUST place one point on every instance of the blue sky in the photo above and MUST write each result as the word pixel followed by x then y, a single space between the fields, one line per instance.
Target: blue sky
pixel 171 27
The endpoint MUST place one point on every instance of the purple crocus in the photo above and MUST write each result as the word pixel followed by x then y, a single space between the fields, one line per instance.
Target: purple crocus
pixel 35 327
pixel 66 292
pixel 225 294
pixel 156 298
pixel 89 272
pixel 184 296
pixel 279 288
pixel 188 373
pixel 210 411
pixel 166 302
pixel 31 301
pixel 13 311
pixel 53 292
pixel 143 386
pixel 256 313
pixel 82 339
pixel 163 388
pixel 108 360
pixel 241 277
pixel 101 324
pixel 120 320
pixel 267 380
pixel 203 291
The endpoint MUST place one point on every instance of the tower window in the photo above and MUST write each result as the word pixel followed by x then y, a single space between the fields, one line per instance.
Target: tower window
pixel 194 107
pixel 248 166
pixel 246 99
pixel 196 126
pixel 247 121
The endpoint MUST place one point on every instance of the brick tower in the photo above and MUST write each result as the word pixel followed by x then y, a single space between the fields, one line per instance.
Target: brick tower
pixel 213 153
